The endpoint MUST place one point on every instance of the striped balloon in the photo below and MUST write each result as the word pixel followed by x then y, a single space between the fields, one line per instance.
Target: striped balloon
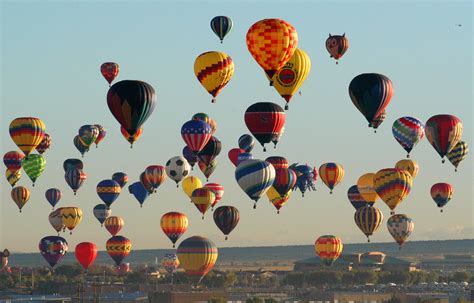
pixel 80 146
pixel 155 175
pixel 197 256
pixel 210 151
pixel 189 184
pixel 203 199
pixel 27 133
pixel 378 120
pixel 108 191
pixel 356 198
pixel 277 200
pixel 118 248
pixel 331 174
pixel 101 136
pixel 214 70
pixel 443 132
pixel 328 248
pixel 244 157
pixel 170 262
pixel 75 177
pixel 277 162
pixel 196 134
pixel 13 177
pixel 221 26
pixel 101 212
pixel 264 120
pixel 88 134
pixel 255 177
pixel 285 180
pixel 458 153
pixel 226 219
pixel 217 189
pixel 392 185
pixel 53 195
pixel 408 131
pixel 110 71
pixel 246 142
pixel 441 193
pixel 409 165
pixel 366 187
pixel 13 160
pixel 114 224
pixel 44 144
pixel 368 219
pixel 131 138
pixel 120 178
pixel 34 165
pixel 174 225
pixel 20 196
pixel 72 217
pixel 400 227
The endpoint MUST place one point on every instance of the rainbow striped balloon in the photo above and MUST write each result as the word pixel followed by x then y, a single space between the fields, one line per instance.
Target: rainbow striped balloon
pixel 118 247
pixel 174 225
pixel 441 193
pixel 328 248
pixel 408 131
pixel 392 185
pixel 443 132
pixel 27 133
pixel 197 256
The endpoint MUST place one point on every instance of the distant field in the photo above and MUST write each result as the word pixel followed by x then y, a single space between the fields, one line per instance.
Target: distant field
pixel 415 250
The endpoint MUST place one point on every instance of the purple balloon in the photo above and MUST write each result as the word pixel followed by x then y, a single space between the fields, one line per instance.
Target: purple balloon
pixel 190 156
pixel 53 248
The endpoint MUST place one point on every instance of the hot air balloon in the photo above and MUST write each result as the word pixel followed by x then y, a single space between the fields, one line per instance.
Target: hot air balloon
pixel 53 248
pixel 102 212
pixel 197 256
pixel 72 217
pixel 131 103
pixel 155 175
pixel 201 117
pixel 214 70
pixel 203 199
pixel 288 80
pixel 44 144
pixel 75 178
pixel 400 227
pixel 337 46
pixel 120 178
pixel 101 136
pixel 53 195
pixel 108 191
pixel 264 120
pixel 190 183
pixel 196 134
pixel 443 132
pixel 371 93
pixel 244 157
pixel 277 162
pixel 131 139
pixel 272 42
pixel 56 220
pixel 441 194
pixel 170 263
pixel 177 168
pixel 409 165
pixel 255 177
pixel 20 195
pixel 13 160
pixel 86 253
pixel 408 131
pixel 305 177
pixel 218 191
pixel 80 146
pixel 190 156
pixel 356 198
pixel 13 176
pixel 331 174
pixel 210 151
pixel 285 180
pixel 246 142
pixel 118 247
pixel 277 200
pixel 174 225
pixel 328 248
pixel 233 155
pixel 458 153
pixel 139 192
pixel 4 260
pixel 88 134
pixel 378 121
pixel 27 133
pixel 34 166
pixel 392 185
pixel 72 163
pixel 368 219
pixel 221 26
pixel 366 188
pixel 147 184
pixel 226 219
pixel 110 71
pixel 114 224
pixel 207 170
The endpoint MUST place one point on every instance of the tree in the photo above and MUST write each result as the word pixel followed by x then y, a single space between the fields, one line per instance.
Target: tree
pixel 324 277
pixel 294 279
pixel 365 276
pixel 254 300
pixel 69 271
pixel 6 281
pixel 347 278
pixel 461 276
pixel 136 277
pixel 394 299
pixel 461 299
pixel 230 279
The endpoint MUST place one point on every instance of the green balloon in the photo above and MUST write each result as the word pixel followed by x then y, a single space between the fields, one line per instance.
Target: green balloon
pixel 34 165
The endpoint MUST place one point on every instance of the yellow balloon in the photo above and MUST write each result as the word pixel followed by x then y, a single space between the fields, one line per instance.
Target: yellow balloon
pixel 214 70
pixel 366 188
pixel 288 80
pixel 71 216
pixel 276 199
pixel 409 165
pixel 191 183
pixel 13 177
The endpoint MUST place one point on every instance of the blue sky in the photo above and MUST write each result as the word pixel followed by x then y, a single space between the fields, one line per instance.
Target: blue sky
pixel 50 58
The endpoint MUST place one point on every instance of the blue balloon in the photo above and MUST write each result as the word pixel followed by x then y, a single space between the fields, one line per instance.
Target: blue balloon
pixel 139 191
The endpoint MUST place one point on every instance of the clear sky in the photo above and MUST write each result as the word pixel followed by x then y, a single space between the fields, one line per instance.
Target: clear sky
pixel 50 58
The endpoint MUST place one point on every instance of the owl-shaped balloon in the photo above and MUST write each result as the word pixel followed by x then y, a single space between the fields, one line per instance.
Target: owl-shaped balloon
pixel 337 46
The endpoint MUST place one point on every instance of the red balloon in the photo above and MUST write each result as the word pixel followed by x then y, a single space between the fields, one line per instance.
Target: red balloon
pixel 234 155
pixel 86 252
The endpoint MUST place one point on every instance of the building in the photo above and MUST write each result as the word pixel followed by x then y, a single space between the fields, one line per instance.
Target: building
pixel 187 297
pixel 373 297
pixel 450 263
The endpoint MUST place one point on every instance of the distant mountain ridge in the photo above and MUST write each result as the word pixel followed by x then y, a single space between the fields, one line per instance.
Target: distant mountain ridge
pixel 415 249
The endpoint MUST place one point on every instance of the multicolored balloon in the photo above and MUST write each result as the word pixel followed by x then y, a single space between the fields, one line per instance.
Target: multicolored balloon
pixel 221 26
pixel 80 146
pixel 101 136
pixel 337 46
pixel 400 226
pixel 409 165
pixel 56 220
pixel 331 174
pixel 174 225
pixel 131 138
pixel 27 133
pixel 170 262
pixel 218 191
pixel 408 131
pixel 197 256
pixel 246 142
pixel 110 71
pixel 203 199
pixel 441 193
pixel 255 177
pixel 392 185
pixel 191 157
pixel 264 120
pixel 101 212
pixel 328 248
pixel 189 184
pixel 366 188
pixel 75 177
pixel 13 160
pixel 458 153
pixel 196 134
pixel 147 184
pixel 155 175
pixel 34 165
pixel 13 176
pixel 118 248
pixel 53 248
pixel 45 144
pixel 108 191
pixel 120 178
pixel 207 170
pixel 356 198
pixel 277 200
pixel 443 132
pixel 88 134
pixel 226 219
pixel 53 195
pixel 114 224
pixel 368 219
pixel 177 168
pixel 210 151
pixel 277 162
pixel 86 253
pixel 306 177
pixel 20 195
pixel 378 121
